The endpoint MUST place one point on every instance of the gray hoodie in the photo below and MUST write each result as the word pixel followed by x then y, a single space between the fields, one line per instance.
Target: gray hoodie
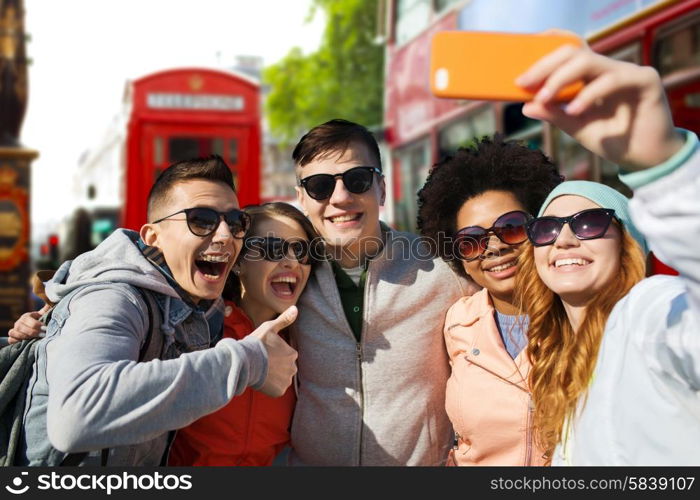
pixel 100 396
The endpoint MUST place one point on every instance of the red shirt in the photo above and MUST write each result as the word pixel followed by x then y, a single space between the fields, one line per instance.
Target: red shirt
pixel 250 430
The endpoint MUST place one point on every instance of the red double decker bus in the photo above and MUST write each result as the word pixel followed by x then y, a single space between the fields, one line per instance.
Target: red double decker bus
pixel 420 129
pixel 168 116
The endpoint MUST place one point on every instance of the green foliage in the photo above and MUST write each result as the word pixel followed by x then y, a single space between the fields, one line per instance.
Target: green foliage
pixel 343 79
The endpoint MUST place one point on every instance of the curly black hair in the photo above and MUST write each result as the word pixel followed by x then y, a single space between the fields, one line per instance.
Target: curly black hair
pixel 490 164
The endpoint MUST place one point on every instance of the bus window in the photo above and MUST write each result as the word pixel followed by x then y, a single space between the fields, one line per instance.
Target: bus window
pixel 679 49
pixel 575 161
pixel 462 132
pixel 518 127
pixel 413 165
pixel 412 17
pixel 442 5
pixel 630 53
pixel 609 175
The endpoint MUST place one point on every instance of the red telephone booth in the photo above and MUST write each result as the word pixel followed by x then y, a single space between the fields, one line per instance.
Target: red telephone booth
pixel 184 113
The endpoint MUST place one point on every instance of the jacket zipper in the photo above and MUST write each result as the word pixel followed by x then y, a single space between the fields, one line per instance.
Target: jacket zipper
pixel 466 356
pixel 359 362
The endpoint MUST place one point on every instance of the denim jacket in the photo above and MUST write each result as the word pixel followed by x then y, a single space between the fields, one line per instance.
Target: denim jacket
pixel 88 391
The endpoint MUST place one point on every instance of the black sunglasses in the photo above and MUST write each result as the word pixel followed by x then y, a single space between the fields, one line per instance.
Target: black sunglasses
pixel 472 241
pixel 275 249
pixel 357 180
pixel 203 221
pixel 586 225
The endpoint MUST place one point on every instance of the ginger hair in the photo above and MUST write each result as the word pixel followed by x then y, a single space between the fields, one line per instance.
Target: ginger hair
pixel 563 360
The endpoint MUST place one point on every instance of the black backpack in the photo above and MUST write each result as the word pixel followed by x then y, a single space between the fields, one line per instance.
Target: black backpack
pixel 16 366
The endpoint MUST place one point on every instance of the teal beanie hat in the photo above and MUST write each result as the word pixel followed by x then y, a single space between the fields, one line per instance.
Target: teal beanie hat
pixel 605 197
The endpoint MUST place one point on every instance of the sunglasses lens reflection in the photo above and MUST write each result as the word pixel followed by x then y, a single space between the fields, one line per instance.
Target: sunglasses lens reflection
pixel 471 245
pixel 202 221
pixel 357 180
pixel 544 231
pixel 586 225
pixel 591 224
pixel 511 228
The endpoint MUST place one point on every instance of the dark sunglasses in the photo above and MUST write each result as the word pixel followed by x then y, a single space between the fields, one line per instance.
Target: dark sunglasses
pixel 357 180
pixel 203 221
pixel 472 241
pixel 275 249
pixel 586 225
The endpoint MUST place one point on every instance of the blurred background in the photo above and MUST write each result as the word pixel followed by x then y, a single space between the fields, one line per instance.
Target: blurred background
pixel 96 98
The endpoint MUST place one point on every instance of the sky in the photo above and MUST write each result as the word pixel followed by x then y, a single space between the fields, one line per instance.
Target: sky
pixel 84 51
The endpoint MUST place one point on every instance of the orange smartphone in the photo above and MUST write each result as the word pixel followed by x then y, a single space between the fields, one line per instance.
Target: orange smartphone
pixel 484 65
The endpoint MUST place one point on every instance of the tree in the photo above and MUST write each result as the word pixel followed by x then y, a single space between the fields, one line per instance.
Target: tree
pixel 343 79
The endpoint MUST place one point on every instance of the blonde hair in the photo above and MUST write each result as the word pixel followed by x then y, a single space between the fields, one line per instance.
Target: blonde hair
pixel 563 360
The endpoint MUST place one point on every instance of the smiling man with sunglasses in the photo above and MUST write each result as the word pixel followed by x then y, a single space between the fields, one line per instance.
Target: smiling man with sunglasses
pixel 372 364
pixel 153 295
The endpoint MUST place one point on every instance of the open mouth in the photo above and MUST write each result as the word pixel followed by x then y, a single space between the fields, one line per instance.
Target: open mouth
pixel 212 267
pixel 570 263
pixel 284 286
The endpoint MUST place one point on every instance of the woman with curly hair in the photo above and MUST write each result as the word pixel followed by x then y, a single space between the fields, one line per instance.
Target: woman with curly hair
pixel 615 358
pixel 473 209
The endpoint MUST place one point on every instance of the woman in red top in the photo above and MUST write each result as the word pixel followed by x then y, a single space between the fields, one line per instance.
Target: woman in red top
pixel 271 273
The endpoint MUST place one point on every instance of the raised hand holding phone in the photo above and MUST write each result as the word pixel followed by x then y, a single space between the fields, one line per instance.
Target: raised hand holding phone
pixel 621 113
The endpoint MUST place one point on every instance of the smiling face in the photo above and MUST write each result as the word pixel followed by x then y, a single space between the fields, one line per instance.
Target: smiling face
pixel 496 268
pixel 271 287
pixel 344 219
pixel 578 270
pixel 200 265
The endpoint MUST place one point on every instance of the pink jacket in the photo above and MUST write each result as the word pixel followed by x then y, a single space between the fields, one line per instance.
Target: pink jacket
pixel 487 397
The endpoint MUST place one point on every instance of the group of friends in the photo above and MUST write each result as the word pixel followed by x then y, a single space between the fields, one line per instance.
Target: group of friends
pixel 517 329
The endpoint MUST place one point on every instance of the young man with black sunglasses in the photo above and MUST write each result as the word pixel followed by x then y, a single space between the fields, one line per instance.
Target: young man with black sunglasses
pixel 372 365
pixel 148 296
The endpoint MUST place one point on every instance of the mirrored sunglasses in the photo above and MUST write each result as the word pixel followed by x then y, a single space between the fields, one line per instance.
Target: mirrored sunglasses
pixel 472 241
pixel 586 225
